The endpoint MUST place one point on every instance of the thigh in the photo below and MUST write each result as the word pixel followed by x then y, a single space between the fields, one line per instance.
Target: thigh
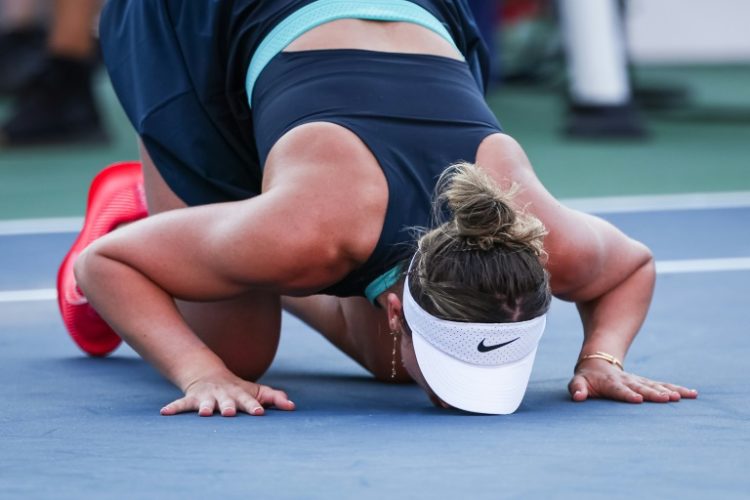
pixel 243 331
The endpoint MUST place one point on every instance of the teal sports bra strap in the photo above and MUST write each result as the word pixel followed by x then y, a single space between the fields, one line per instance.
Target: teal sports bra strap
pixel 383 283
pixel 324 11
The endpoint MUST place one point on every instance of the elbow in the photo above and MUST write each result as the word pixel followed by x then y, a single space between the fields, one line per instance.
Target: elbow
pixel 639 256
pixel 326 264
pixel 311 262
pixel 646 261
pixel 595 272
pixel 646 256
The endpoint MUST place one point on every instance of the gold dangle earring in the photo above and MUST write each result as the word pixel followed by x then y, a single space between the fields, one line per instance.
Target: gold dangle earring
pixel 394 334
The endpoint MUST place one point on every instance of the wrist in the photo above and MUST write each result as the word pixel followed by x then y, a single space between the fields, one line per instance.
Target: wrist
pixel 600 358
pixel 199 365
pixel 614 345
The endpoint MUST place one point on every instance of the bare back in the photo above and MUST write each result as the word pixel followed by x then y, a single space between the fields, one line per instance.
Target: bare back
pixel 336 162
pixel 374 35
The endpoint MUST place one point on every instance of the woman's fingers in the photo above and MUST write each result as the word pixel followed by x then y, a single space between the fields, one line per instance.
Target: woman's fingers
pixel 179 406
pixel 273 397
pixel 250 405
pixel 652 392
pixel 683 391
pixel 207 406
pixel 188 403
pixel 227 407
pixel 659 387
pixel 606 382
pixel 228 397
pixel 578 388
pixel 618 390
pixel 676 392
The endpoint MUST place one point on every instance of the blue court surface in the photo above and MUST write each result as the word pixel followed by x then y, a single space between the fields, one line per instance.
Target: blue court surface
pixel 77 427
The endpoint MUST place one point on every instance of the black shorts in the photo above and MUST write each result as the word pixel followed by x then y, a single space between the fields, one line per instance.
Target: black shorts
pixel 165 63
pixel 178 68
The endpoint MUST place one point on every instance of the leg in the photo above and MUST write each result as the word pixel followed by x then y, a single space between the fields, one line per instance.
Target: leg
pixel 243 331
pixel 71 34
pixel 356 328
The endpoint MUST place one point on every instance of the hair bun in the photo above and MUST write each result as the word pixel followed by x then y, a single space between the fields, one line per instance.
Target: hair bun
pixel 484 216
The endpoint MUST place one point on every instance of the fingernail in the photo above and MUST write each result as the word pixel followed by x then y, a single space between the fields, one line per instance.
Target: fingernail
pixel 291 402
pixel 257 411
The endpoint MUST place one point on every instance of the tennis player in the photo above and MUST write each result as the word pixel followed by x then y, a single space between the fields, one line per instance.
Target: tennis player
pixel 291 150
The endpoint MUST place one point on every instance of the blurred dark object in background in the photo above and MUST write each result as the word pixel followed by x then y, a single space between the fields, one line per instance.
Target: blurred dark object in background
pixel 600 97
pixel 54 100
pixel 21 51
pixel 55 106
pixel 530 49
pixel 579 47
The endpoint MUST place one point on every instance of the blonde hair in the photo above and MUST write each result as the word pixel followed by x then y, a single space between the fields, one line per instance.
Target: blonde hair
pixel 484 263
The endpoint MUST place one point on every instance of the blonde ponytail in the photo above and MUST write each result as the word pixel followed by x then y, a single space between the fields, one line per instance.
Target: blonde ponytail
pixel 482 265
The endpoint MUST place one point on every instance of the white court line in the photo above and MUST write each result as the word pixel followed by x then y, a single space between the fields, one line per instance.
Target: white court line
pixel 604 205
pixel 702 265
pixel 41 226
pixel 658 203
pixel 28 295
pixel 662 267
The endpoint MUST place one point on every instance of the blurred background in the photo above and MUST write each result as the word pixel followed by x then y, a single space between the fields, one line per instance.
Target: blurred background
pixel 608 97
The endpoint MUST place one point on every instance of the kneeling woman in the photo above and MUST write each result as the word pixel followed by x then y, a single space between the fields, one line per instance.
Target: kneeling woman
pixel 290 149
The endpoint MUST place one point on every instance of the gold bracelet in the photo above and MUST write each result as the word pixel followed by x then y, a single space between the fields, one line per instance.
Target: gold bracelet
pixel 600 355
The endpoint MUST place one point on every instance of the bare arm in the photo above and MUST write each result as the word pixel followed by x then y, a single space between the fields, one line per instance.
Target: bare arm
pixel 613 292
pixel 203 254
pixel 295 238
pixel 609 276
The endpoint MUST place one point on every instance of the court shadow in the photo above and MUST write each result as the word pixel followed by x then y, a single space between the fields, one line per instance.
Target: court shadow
pixel 130 384
pixel 292 375
pixel 110 369
pixel 345 393
pixel 352 393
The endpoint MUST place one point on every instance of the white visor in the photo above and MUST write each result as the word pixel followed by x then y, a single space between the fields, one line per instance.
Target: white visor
pixel 476 367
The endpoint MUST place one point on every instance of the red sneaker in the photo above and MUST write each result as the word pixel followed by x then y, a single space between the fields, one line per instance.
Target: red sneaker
pixel 116 197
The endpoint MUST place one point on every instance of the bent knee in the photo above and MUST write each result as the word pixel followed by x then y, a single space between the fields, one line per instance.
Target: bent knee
pixel 251 372
pixel 249 363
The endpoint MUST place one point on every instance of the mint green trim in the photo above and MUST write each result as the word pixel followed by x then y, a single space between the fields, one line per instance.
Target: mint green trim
pixel 324 11
pixel 382 283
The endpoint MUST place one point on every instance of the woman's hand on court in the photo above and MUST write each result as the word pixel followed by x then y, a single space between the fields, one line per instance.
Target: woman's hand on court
pixel 228 394
pixel 596 378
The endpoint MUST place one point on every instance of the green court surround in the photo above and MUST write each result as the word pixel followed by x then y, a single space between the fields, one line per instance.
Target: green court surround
pixel 705 148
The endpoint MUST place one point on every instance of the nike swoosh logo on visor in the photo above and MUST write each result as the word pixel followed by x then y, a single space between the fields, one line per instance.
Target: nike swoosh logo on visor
pixel 487 348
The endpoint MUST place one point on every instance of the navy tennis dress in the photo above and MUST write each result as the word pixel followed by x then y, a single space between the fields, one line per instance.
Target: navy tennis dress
pixel 180 70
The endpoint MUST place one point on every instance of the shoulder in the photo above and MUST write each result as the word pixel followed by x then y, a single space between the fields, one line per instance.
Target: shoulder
pixel 577 244
pixel 331 176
